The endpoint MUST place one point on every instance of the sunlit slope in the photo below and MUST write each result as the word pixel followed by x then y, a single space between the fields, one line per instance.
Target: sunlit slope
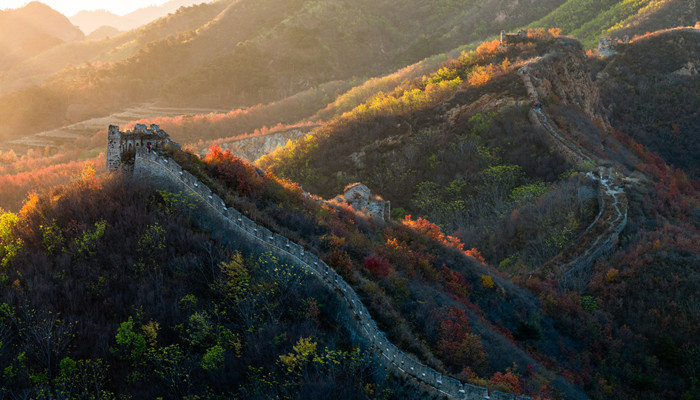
pixel 116 48
pixel 251 52
pixel 32 29
pixel 588 20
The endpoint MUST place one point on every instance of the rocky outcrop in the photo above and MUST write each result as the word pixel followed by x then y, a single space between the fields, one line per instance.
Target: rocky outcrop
pixel 563 74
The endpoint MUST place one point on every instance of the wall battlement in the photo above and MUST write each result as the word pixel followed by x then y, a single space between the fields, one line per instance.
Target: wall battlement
pixel 165 173
pixel 122 146
pixel 509 39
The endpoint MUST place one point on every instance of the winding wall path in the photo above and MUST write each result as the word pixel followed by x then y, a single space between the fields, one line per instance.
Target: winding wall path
pixel 166 173
pixel 601 235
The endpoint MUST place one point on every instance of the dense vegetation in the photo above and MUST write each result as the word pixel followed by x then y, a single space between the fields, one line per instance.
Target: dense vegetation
pixel 589 20
pixel 107 292
pixel 420 288
pixel 479 174
pixel 105 284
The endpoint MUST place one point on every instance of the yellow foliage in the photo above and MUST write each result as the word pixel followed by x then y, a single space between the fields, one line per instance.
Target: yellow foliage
pixel 487 281
pixel 612 275
pixel 505 64
pixel 150 332
pixel 303 352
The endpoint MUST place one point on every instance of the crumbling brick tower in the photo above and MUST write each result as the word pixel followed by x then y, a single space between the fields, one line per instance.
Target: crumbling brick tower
pixel 122 146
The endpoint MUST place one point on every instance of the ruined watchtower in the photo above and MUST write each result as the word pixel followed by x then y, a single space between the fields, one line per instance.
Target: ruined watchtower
pixel 361 199
pixel 608 47
pixel 510 39
pixel 122 146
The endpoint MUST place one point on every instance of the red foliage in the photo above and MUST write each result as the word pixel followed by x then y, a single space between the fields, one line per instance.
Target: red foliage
pixel 234 171
pixel 508 380
pixel 378 266
pixel 457 345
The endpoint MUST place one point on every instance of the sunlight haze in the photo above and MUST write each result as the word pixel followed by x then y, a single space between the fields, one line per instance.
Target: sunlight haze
pixel 70 8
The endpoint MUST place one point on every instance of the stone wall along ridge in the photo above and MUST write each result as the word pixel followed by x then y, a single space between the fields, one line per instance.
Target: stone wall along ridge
pixel 612 201
pixel 165 172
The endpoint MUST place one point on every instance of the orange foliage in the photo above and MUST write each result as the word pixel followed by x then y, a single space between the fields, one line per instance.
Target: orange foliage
pixel 509 381
pixel 480 75
pixel 554 31
pixel 476 254
pixel 488 48
pixel 433 231
pixel 27 174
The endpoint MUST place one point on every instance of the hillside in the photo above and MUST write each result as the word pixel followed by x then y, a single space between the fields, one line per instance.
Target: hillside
pixel 235 54
pixel 504 200
pixel 589 20
pixel 655 99
pixel 465 148
pixel 252 52
pixel 31 30
pixel 103 32
pixel 109 291
pixel 37 69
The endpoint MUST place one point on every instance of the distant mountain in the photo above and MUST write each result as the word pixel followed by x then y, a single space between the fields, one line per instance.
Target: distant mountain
pixel 91 20
pixel 32 29
pixel 116 48
pixel 103 32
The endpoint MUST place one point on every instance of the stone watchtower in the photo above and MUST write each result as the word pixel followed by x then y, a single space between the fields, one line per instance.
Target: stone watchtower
pixel 361 199
pixel 122 146
pixel 608 47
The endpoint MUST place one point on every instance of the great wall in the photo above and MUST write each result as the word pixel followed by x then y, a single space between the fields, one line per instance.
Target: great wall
pixel 226 222
pixel 601 235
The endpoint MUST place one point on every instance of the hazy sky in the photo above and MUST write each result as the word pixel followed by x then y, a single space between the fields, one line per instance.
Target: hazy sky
pixel 71 7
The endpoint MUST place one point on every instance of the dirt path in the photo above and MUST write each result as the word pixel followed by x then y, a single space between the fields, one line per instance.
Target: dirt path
pixel 573 265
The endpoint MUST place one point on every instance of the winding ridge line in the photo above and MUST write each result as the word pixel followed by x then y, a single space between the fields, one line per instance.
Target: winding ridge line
pixel 147 163
pixel 602 233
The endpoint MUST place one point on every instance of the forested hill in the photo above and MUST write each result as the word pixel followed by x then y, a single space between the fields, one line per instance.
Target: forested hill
pixel 501 146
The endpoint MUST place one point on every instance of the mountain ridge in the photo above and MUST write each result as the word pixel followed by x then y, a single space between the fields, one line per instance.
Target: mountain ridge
pixel 90 20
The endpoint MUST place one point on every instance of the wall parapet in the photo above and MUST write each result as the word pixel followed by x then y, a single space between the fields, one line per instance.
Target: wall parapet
pixel 162 168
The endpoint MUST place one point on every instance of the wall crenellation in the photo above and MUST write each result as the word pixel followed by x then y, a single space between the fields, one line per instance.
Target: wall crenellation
pixel 166 172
